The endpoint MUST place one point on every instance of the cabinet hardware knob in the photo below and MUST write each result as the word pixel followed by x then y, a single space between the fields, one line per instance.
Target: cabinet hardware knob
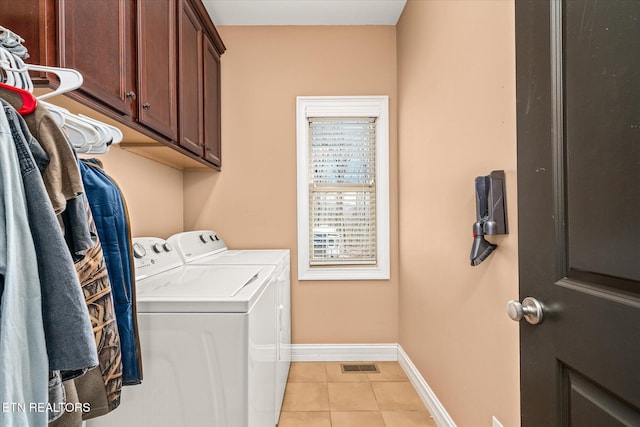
pixel 146 106
pixel 131 94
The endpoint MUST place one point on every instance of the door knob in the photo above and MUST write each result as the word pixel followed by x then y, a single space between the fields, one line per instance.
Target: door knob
pixel 146 106
pixel 530 309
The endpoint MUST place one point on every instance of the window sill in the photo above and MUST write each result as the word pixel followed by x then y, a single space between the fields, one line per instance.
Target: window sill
pixel 343 273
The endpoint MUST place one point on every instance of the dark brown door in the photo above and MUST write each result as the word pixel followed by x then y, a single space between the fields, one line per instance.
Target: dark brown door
pixel 97 39
pixel 212 149
pixel 578 90
pixel 157 64
pixel 190 78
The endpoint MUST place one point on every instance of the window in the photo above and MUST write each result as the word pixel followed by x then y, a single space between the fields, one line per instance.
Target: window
pixel 343 188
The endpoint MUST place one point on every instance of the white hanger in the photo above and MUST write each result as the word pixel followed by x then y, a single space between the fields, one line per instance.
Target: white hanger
pixel 80 135
pixel 7 34
pixel 86 134
pixel 7 63
pixel 69 78
pixel 25 77
pixel 115 133
pixel 17 74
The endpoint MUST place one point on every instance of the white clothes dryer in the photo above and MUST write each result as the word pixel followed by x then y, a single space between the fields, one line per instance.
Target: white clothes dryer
pixel 205 247
pixel 207 335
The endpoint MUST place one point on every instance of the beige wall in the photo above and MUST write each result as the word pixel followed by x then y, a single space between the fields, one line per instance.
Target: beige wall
pixel 452 100
pixel 153 193
pixel 456 87
pixel 252 202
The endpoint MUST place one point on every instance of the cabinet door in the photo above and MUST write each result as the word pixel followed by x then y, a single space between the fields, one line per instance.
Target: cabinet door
pixel 97 39
pixel 34 21
pixel 190 81
pixel 212 137
pixel 157 63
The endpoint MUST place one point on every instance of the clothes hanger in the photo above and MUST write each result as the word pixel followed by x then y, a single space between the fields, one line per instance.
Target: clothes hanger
pixel 87 135
pixel 29 101
pixel 80 132
pixel 26 84
pixel 69 79
pixel 8 35
pixel 5 64
pixel 115 133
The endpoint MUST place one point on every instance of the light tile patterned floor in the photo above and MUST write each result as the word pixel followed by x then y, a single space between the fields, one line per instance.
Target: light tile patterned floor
pixel 318 394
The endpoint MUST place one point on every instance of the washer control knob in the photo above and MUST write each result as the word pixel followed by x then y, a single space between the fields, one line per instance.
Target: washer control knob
pixel 203 238
pixel 212 237
pixel 157 248
pixel 167 247
pixel 138 250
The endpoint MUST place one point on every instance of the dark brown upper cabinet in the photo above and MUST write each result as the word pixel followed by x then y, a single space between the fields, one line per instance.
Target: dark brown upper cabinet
pixel 97 38
pixel 153 65
pixel 190 88
pixel 35 21
pixel 157 66
pixel 211 108
pixel 199 90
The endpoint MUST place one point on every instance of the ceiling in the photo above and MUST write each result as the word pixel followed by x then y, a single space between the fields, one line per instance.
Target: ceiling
pixel 305 12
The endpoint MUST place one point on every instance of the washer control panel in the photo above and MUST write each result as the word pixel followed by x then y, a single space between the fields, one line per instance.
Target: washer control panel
pixel 152 255
pixel 197 244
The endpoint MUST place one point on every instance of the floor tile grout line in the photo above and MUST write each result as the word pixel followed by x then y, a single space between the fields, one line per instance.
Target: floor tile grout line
pixel 391 379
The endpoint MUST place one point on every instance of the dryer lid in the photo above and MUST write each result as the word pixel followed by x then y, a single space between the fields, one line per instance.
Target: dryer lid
pixel 209 289
pixel 246 257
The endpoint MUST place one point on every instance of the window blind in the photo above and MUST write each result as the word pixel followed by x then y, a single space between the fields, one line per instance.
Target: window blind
pixel 342 191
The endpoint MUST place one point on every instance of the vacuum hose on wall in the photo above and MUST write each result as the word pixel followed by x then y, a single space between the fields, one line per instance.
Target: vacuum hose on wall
pixel 481 248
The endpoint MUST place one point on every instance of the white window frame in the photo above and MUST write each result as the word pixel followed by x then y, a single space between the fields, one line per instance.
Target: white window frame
pixel 344 106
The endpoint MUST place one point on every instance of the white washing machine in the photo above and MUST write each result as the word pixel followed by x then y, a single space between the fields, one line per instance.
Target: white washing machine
pixel 208 344
pixel 205 247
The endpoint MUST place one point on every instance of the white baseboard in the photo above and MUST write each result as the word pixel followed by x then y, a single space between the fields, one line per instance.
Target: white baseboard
pixel 343 352
pixel 430 400
pixel 375 352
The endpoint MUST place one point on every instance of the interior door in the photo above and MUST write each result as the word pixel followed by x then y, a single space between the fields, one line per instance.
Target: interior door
pixel 578 90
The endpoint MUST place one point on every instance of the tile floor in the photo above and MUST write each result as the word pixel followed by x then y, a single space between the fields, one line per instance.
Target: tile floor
pixel 318 394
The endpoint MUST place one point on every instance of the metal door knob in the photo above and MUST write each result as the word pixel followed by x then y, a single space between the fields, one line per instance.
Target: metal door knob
pixel 146 106
pixel 530 309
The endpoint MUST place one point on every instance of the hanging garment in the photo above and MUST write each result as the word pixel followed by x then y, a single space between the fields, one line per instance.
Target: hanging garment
pixel 70 342
pixel 100 387
pixel 76 229
pixel 63 184
pixel 69 418
pixel 69 338
pixel 61 177
pixel 23 355
pixel 111 219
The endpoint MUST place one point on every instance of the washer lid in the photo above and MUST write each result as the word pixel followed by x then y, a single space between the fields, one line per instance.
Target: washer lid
pixel 210 289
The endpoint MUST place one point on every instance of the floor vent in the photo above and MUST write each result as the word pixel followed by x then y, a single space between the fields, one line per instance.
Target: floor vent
pixel 359 368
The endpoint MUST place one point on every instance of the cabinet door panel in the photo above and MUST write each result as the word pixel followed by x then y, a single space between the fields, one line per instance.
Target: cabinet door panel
pixel 34 21
pixel 190 78
pixel 212 136
pixel 157 104
pixel 96 38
